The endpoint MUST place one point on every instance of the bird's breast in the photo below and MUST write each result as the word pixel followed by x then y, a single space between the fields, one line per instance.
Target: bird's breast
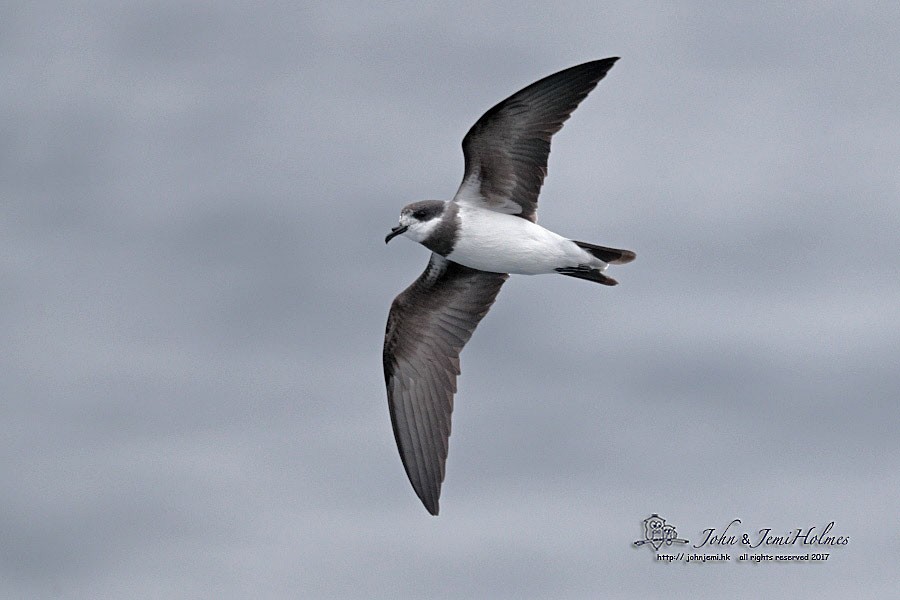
pixel 501 243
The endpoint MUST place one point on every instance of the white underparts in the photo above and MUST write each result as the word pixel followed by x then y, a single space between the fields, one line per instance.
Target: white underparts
pixel 501 243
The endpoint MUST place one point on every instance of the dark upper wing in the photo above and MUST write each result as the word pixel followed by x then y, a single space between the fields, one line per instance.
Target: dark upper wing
pixel 506 150
pixel 428 326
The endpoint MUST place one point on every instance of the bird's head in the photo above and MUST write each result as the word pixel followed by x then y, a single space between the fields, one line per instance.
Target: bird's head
pixel 418 220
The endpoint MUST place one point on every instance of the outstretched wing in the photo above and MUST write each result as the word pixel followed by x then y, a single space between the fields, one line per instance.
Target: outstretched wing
pixel 506 150
pixel 428 326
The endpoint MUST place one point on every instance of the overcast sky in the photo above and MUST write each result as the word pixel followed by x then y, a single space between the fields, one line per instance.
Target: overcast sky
pixel 194 287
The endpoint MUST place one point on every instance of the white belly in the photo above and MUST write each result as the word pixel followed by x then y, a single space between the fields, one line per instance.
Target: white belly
pixel 501 243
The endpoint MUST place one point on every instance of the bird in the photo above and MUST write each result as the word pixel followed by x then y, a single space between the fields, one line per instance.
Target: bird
pixel 485 232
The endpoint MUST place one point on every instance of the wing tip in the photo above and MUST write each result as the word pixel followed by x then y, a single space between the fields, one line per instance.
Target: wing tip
pixel 605 63
pixel 430 498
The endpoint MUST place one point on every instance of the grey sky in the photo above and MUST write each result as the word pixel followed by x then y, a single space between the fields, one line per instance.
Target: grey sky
pixel 194 285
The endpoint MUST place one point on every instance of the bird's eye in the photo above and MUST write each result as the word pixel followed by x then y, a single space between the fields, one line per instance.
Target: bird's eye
pixel 419 214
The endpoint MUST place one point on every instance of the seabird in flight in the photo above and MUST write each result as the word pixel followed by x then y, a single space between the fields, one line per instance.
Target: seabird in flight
pixel 485 232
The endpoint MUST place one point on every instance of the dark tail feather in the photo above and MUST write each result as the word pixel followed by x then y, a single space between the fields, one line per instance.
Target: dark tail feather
pixel 587 273
pixel 612 256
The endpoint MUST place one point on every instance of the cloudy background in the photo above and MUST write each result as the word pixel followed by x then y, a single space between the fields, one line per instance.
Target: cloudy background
pixel 193 290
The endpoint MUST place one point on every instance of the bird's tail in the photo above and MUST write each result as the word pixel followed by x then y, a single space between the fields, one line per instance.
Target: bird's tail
pixel 612 256
pixel 586 272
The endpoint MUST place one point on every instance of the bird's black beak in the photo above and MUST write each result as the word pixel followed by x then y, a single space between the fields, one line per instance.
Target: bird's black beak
pixel 395 231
